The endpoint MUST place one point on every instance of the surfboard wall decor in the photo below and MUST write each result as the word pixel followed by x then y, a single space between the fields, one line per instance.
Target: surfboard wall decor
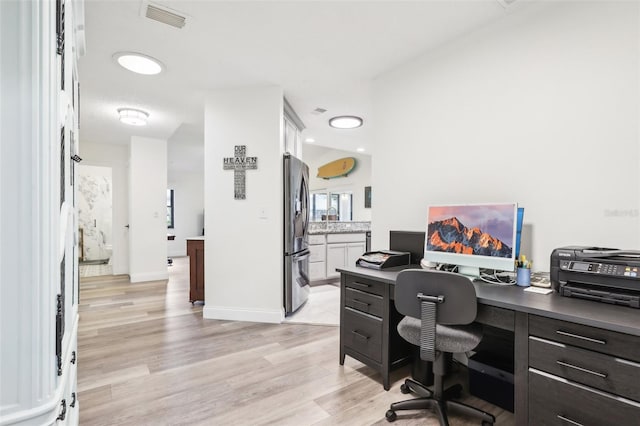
pixel 337 168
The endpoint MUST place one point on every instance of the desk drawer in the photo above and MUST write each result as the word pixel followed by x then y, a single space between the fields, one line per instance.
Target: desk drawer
pixel 496 317
pixel 604 372
pixel 366 285
pixel 557 401
pixel 364 302
pixel 362 333
pixel 596 339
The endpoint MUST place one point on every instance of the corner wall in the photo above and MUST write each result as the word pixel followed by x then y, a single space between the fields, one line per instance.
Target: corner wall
pixel 147 209
pixel 244 238
pixel 540 107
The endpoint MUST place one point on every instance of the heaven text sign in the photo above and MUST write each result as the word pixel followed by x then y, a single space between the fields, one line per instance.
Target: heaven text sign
pixel 239 163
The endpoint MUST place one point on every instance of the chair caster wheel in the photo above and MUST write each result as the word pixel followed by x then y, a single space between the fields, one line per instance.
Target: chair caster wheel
pixel 391 416
pixel 404 388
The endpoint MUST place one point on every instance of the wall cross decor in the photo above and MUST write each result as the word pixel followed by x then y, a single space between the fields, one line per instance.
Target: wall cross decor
pixel 239 163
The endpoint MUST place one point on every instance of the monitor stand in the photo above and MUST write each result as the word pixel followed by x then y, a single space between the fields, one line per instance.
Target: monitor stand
pixel 470 271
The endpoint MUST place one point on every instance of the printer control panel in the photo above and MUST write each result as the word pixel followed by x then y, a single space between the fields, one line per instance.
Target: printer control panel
pixel 610 269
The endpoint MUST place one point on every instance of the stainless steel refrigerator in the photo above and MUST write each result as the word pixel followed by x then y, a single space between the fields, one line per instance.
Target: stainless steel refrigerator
pixel 296 223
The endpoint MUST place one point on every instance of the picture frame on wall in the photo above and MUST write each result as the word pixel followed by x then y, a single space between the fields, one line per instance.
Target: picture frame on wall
pixel 367 197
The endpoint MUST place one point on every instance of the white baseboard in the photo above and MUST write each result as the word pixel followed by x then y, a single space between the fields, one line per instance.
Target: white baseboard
pixel 243 314
pixel 149 276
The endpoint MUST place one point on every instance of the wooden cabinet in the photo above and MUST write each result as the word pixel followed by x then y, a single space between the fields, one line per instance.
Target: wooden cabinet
pixel 195 251
pixel 582 375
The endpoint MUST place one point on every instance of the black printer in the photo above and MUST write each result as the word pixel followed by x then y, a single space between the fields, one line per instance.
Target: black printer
pixel 594 273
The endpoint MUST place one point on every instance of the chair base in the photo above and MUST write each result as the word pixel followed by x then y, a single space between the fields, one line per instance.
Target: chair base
pixel 441 405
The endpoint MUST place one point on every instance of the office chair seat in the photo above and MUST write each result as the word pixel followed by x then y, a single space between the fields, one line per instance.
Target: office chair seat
pixel 440 309
pixel 451 338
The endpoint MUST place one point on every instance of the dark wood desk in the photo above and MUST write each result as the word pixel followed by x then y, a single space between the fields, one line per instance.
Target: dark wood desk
pixel 575 360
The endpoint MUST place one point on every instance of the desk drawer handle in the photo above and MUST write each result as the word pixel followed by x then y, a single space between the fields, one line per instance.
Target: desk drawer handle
pixel 360 335
pixel 577 336
pixel 571 422
pixel 365 305
pixel 362 284
pixel 584 370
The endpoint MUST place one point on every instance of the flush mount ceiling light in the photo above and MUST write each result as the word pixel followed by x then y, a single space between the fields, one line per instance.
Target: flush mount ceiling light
pixel 134 117
pixel 309 140
pixel 345 122
pixel 139 63
pixel 360 149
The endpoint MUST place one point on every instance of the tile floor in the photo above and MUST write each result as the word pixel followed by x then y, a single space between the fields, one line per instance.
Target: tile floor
pixel 322 308
pixel 88 270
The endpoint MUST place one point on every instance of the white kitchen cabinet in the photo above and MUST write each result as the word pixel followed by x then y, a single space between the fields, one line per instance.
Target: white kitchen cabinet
pixel 343 250
pixel 317 271
pixel 336 258
pixel 354 251
pixel 317 263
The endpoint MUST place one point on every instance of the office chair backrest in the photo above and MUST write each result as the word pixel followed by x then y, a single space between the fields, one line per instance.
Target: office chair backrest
pixel 460 304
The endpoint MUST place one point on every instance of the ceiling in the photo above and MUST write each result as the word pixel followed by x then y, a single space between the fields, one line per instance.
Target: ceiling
pixel 323 54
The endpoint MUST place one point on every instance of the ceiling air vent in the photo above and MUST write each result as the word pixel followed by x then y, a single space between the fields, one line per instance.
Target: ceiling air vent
pixel 164 15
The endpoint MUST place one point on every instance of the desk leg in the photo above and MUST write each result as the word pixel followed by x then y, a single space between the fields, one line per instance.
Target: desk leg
pixel 521 349
pixel 385 377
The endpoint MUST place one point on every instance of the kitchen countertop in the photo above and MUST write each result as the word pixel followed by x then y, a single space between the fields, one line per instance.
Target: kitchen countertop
pixel 200 238
pixel 321 228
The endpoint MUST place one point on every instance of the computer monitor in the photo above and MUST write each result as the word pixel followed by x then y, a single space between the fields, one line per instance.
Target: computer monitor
pixel 411 241
pixel 472 236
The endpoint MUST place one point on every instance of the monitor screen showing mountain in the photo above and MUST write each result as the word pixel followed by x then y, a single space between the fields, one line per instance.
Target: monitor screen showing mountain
pixel 464 234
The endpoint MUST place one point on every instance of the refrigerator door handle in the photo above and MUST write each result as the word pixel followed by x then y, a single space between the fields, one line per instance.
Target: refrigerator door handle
pixel 305 206
pixel 301 256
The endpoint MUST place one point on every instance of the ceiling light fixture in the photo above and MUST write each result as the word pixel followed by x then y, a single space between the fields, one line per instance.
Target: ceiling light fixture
pixel 139 63
pixel 134 117
pixel 360 149
pixel 309 140
pixel 345 122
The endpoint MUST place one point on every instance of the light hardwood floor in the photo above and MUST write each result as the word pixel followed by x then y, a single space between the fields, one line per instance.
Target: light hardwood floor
pixel 147 357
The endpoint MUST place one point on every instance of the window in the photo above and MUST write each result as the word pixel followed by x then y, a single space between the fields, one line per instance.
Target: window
pixel 334 206
pixel 170 217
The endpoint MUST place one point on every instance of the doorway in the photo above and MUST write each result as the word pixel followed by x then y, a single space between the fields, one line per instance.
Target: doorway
pixel 95 220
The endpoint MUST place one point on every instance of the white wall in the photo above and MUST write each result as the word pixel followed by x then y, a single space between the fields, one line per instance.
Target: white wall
pixel 147 209
pixel 188 211
pixel 316 156
pixel 540 107
pixel 116 157
pixel 244 238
